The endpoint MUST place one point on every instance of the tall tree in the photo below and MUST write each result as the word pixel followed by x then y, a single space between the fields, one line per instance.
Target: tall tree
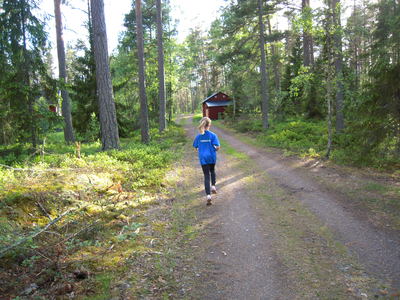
pixel 66 105
pixel 263 67
pixel 23 44
pixel 308 51
pixel 26 76
pixel 275 59
pixel 108 118
pixel 144 114
pixel 338 55
pixel 329 74
pixel 161 79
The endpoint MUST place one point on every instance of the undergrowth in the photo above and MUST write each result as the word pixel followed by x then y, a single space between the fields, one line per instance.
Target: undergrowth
pixel 72 222
pixel 309 138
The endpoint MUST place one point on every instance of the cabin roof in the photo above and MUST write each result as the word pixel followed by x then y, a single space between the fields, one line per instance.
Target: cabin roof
pixel 209 97
pixel 219 103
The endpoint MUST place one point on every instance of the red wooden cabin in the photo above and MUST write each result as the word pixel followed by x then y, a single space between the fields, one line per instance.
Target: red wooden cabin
pixel 215 105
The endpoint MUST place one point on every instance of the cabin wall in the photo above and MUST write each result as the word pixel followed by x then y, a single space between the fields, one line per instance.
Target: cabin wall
pixel 213 112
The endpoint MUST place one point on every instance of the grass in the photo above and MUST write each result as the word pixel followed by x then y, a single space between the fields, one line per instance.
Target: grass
pixel 375 187
pixel 110 230
pixel 196 118
pixel 228 149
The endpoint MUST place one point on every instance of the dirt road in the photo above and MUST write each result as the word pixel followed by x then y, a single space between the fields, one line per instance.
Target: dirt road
pixel 273 233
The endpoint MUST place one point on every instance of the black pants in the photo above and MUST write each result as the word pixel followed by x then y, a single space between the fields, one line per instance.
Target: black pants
pixel 208 170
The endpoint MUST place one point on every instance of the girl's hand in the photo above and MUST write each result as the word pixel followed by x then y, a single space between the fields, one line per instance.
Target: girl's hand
pixel 217 148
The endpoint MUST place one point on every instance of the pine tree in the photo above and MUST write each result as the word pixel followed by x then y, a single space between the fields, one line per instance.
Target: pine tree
pixel 144 119
pixel 108 118
pixel 263 68
pixel 161 79
pixel 66 105
pixel 23 44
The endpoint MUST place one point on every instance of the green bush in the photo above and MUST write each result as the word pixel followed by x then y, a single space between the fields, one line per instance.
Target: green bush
pixel 353 149
pixel 133 162
pixel 300 136
pixel 297 135
pixel 310 137
pixel 249 125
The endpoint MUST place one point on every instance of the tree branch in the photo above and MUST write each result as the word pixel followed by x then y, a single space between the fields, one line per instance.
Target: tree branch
pixel 23 240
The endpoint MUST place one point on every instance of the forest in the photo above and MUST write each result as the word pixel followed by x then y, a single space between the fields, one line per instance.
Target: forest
pixel 321 80
pixel 85 150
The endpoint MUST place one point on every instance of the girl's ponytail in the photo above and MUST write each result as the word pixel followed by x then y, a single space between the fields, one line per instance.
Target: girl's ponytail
pixel 204 123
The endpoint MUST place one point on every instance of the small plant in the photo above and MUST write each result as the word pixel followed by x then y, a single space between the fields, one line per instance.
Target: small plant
pixel 29 262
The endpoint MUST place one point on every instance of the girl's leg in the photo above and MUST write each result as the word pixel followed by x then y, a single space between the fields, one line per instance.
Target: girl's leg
pixel 212 171
pixel 206 172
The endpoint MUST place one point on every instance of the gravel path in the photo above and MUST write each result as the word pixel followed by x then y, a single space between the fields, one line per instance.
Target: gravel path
pixel 240 260
pixel 377 250
pixel 238 256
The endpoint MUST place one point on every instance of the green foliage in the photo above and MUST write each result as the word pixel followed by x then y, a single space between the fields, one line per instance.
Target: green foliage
pixel 295 135
pixel 130 231
pixel 83 92
pixel 300 136
pixel 249 125
pixel 124 68
pixel 24 77
pixel 99 188
pixel 91 132
pixel 47 119
pixel 372 136
pixel 196 118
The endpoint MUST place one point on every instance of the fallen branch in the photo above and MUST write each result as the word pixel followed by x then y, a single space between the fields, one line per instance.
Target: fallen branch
pixel 44 211
pixel 21 241
pixel 78 232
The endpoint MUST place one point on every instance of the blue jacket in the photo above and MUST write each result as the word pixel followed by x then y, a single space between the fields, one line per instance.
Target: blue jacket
pixel 206 143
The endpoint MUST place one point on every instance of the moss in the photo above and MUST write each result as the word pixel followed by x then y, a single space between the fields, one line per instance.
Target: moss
pixel 109 193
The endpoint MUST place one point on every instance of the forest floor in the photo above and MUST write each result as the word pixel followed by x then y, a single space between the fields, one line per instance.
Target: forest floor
pixel 288 228
pixel 279 228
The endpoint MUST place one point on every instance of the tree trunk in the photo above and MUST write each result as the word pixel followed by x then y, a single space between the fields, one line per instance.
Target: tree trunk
pixel 169 102
pixel 264 74
pixel 275 63
pixel 338 56
pixel 329 79
pixel 161 79
pixel 308 53
pixel 144 114
pixel 27 80
pixel 108 117
pixel 66 105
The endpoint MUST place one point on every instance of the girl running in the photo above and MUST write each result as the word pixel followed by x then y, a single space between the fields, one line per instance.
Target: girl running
pixel 207 145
